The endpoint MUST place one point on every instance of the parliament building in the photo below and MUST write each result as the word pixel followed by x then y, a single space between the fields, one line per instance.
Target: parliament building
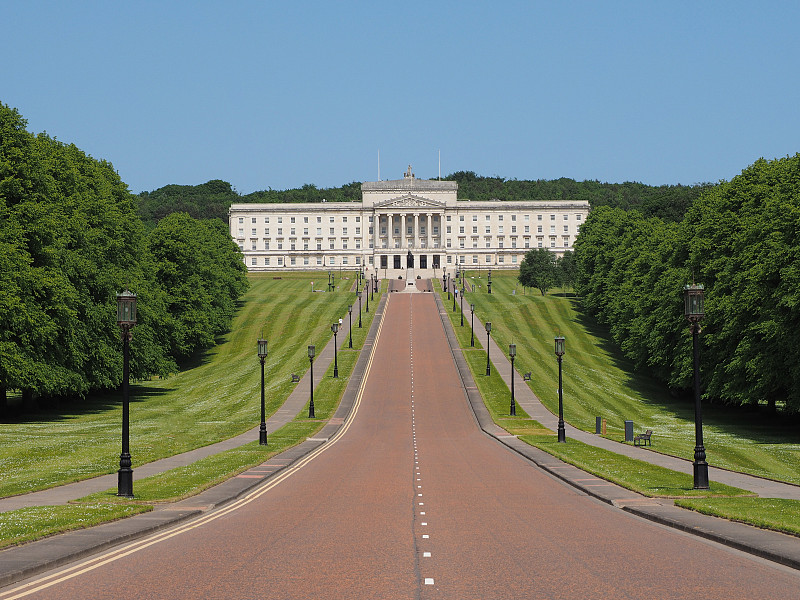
pixel 402 228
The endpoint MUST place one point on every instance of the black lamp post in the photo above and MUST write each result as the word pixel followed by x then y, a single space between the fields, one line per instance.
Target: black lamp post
pixel 359 308
pixel 694 312
pixel 455 293
pixel 350 310
pixel 366 298
pixel 262 429
pixel 489 282
pixel 512 354
pixel 126 319
pixel 448 286
pixel 562 436
pixel 462 301
pixel 335 330
pixel 444 280
pixel 472 325
pixel 488 334
pixel 311 351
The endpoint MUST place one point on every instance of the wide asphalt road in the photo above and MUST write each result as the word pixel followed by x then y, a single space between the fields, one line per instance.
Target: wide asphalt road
pixel 413 501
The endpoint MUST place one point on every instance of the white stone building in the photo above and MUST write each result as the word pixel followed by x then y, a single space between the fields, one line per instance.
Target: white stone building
pixel 402 227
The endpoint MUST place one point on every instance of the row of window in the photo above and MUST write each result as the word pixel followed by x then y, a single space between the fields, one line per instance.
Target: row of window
pixel 319 261
pixel 384 218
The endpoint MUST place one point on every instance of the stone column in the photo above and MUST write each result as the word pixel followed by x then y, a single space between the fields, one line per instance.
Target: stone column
pixel 403 218
pixel 416 230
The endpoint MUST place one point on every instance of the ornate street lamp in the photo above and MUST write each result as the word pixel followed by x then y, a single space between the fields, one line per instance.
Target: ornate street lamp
pixel 366 298
pixel 472 325
pixel 489 282
pixel 448 286
pixel 335 330
pixel 262 429
pixel 350 311
pixel 455 293
pixel 512 354
pixel 311 352
pixel 462 301
pixel 694 312
pixel 488 334
pixel 359 308
pixel 126 319
pixel 562 436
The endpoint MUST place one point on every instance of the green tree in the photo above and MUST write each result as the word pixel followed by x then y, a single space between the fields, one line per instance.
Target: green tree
pixel 538 269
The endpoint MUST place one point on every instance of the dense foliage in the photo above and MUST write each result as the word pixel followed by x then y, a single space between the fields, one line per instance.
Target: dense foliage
pixel 669 202
pixel 70 239
pixel 212 199
pixel 741 239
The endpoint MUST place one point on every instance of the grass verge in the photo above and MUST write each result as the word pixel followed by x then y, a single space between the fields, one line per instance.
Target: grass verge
pixel 768 513
pixel 33 523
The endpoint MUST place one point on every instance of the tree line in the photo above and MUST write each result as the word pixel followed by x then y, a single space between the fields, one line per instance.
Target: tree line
pixel 70 240
pixel 741 240
pixel 212 199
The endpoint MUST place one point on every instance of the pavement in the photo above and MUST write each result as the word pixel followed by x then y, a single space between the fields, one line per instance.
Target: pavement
pixel 20 562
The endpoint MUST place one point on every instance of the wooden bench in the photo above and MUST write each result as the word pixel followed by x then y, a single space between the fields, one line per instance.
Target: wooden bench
pixel 295 378
pixel 643 439
pixel 527 376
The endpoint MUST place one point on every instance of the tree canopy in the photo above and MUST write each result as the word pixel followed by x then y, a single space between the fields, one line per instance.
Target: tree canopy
pixel 741 240
pixel 70 239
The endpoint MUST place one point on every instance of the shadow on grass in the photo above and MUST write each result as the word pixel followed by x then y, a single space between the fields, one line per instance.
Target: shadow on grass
pixel 63 409
pixel 747 422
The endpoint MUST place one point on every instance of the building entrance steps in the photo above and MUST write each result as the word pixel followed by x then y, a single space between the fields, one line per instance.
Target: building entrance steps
pixel 525 398
pixel 296 402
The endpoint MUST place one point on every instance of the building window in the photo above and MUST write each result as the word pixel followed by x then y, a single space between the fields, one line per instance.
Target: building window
pixel 280 261
pixel 280 219
pixel 331 219
pixel 319 260
pixel 435 230
pixel 475 229
pixel 566 217
pixel 305 230
pixel 358 219
pixel 344 260
pixel 513 229
pixel 266 244
pixel 293 261
pixel 332 260
pixel 499 217
pixel 448 220
pixel 266 230
pixel 305 220
pixel 552 217
pixel 358 260
pixel 488 258
pixel 538 217
pixel 358 230
pixel 253 220
pixel 488 217
pixel 501 258
pixel 253 261
pixel 540 244
pixel 358 244
pixel 344 230
pixel 488 229
pixel 461 218
pixel 500 229
pixel 462 259
pixel 241 219
pixel 538 229
pixel 333 244
pixel 292 231
pixel 461 229
pixel 280 230
pixel 566 228
pixel 305 244
pixel 344 219
pixel 552 228
pixel 527 242
pixel 449 256
pixel 319 219
pixel 291 219
pixel 241 232
pixel 280 245
pixel 266 219
pixel 461 242
pixel 577 217
pixel 305 260
pixel 527 228
pixel 253 246
pixel 344 244
pixel 474 217
pixel 253 231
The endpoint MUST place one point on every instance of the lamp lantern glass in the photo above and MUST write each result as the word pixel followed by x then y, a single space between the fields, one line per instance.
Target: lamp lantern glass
pixel 488 327
pixel 126 309
pixel 312 350
pixel 693 301
pixel 335 328
pixel 350 308
pixel 512 350
pixel 559 345
pixel 262 348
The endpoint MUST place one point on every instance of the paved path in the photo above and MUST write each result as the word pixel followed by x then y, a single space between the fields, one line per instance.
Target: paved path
pixel 525 397
pixel 412 500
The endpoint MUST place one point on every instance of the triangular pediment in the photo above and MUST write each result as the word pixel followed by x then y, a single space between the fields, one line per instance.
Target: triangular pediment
pixel 410 201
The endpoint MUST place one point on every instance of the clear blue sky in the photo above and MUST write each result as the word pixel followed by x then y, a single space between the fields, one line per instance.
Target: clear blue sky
pixel 278 94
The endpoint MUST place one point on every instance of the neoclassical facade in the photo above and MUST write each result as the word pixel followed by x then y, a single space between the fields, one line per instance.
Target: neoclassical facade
pixel 402 227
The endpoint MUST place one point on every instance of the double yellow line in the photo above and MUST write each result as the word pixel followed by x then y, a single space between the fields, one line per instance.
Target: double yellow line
pixel 119 553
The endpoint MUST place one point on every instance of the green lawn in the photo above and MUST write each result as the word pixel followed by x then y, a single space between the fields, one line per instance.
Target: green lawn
pixel 216 399
pixel 599 381
pixel 34 523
